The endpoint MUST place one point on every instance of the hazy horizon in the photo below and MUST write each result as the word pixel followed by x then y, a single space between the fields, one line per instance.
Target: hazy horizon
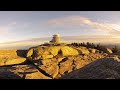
pixel 26 44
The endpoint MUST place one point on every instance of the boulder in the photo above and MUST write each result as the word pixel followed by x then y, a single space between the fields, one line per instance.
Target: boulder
pixel 41 50
pixel 92 50
pixel 66 66
pixel 10 57
pixel 80 63
pixel 29 53
pixel 54 50
pixel 49 61
pixel 82 50
pixel 12 61
pixel 46 52
pixel 67 51
pixel 109 51
pixel 46 56
pixel 51 69
pixel 4 54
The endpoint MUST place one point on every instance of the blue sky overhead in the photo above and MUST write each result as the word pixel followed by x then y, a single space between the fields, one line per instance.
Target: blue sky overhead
pixel 22 25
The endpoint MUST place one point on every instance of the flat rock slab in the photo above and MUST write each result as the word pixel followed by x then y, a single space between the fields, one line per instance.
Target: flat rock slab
pixel 106 68
pixel 12 61
pixel 21 72
pixel 52 69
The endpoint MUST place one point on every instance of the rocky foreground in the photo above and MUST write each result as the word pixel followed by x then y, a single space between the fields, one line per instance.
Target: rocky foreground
pixel 59 62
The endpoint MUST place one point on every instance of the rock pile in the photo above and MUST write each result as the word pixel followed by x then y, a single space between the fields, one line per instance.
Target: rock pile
pixel 56 61
pixel 45 52
pixel 105 68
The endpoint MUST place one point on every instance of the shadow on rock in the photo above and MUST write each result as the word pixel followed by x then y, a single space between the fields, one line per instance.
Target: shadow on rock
pixel 25 73
pixel 23 63
pixel 6 74
pixel 105 68
pixel 21 53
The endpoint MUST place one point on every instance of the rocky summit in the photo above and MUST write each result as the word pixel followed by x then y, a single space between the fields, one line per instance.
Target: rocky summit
pixel 56 60
pixel 105 68
pixel 53 61
pixel 45 52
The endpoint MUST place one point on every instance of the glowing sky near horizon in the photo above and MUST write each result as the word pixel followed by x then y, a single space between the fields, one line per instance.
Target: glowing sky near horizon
pixel 22 25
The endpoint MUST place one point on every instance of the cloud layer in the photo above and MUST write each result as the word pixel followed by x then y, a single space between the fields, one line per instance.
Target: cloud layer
pixel 112 29
pixel 6 29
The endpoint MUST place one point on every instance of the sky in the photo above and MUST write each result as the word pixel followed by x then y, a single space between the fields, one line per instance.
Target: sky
pixel 23 25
